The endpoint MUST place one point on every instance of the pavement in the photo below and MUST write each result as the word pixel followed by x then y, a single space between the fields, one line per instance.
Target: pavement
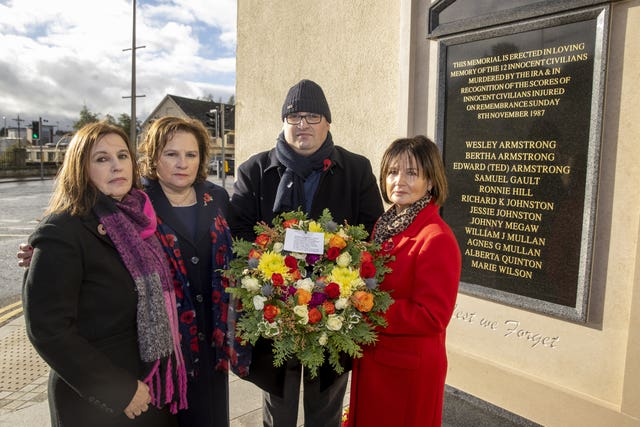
pixel 23 386
pixel 24 375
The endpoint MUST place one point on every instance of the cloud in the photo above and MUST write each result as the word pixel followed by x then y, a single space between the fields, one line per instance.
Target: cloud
pixel 60 55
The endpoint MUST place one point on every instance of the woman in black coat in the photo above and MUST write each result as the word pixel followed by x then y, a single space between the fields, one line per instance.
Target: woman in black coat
pixel 193 230
pixel 86 298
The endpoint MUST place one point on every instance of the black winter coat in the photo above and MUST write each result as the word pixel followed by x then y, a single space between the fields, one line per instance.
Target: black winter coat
pixel 80 310
pixel 347 188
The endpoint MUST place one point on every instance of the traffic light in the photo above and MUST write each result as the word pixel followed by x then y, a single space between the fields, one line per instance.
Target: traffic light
pixel 212 121
pixel 35 129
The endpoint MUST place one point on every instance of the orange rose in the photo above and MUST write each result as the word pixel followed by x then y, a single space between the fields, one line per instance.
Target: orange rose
pixel 315 315
pixel 329 307
pixel 254 254
pixel 295 274
pixel 337 242
pixel 304 296
pixel 366 257
pixel 288 223
pixel 270 312
pixel 262 240
pixel 362 300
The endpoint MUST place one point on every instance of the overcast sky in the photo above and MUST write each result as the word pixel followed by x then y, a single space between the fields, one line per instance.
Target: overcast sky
pixel 58 55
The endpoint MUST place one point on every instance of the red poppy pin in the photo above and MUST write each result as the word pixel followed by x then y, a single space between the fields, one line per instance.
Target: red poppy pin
pixel 327 164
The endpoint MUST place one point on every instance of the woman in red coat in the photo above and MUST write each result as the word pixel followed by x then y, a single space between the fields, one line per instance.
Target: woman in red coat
pixel 400 380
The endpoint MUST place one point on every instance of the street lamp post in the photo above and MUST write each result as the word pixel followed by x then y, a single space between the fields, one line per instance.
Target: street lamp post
pixel 18 119
pixel 41 149
pixel 222 150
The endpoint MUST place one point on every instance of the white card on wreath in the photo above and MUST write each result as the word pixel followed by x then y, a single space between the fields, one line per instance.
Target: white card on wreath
pixel 304 242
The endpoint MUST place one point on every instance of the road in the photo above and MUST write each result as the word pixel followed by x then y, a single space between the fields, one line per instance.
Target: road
pixel 21 204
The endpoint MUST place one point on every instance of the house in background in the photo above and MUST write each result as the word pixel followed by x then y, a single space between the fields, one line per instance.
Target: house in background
pixel 173 105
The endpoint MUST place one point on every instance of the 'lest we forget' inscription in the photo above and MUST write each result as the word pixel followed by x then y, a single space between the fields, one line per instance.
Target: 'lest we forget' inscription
pixel 516 132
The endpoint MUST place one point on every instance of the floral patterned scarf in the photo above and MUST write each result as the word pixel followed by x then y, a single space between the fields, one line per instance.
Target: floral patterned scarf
pixel 392 223
pixel 224 353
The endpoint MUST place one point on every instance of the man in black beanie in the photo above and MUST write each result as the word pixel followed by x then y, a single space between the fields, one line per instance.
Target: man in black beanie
pixel 305 170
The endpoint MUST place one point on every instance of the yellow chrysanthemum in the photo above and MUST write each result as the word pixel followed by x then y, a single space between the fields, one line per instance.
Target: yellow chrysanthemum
pixel 314 226
pixel 270 263
pixel 343 276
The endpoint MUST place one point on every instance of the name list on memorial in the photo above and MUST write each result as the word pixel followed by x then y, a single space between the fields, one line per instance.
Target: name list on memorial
pixel 515 147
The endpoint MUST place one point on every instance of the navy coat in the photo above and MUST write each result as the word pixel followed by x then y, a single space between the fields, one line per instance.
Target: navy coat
pixel 208 390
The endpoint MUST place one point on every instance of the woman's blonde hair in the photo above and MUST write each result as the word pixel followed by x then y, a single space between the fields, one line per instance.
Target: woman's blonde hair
pixel 74 192
pixel 429 162
pixel 160 132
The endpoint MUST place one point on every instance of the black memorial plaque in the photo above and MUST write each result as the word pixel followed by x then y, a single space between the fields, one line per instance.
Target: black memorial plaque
pixel 520 149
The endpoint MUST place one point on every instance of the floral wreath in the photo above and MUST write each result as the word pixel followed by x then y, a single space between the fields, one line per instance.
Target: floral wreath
pixel 309 304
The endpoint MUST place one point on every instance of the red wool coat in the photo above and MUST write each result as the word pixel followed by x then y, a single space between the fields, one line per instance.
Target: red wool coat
pixel 400 380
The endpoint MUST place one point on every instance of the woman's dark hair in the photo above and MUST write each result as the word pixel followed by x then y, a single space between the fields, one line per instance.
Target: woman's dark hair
pixel 428 160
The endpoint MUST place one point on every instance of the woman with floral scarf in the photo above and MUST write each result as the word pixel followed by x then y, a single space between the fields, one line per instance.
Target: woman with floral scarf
pixel 196 239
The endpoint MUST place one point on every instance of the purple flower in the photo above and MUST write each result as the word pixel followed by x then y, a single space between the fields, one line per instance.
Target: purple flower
pixel 253 263
pixel 317 299
pixel 267 289
pixel 311 259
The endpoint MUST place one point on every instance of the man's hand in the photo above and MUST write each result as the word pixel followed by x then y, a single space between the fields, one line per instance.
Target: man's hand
pixel 25 252
pixel 140 402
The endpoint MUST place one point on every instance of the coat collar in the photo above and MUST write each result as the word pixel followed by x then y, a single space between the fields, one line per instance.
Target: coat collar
pixel 336 157
pixel 168 215
pixel 425 216
pixel 91 223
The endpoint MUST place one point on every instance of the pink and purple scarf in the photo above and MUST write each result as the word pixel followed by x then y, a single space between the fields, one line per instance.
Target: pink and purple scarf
pixel 131 225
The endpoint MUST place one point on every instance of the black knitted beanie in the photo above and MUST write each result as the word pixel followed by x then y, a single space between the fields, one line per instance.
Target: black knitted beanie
pixel 306 96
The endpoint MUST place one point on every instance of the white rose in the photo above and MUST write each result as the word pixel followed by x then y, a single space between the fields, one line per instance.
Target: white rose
pixel 334 322
pixel 303 312
pixel 298 255
pixel 250 283
pixel 323 339
pixel 341 303
pixel 258 302
pixel 278 247
pixel 306 284
pixel 344 259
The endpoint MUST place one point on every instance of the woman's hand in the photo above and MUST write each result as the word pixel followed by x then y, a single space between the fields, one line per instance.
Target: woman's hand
pixel 140 402
pixel 25 252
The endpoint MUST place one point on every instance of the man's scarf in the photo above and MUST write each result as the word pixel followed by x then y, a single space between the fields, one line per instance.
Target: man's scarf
pixel 131 225
pixel 290 193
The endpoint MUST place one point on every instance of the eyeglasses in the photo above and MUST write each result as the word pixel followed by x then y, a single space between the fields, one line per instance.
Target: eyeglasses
pixel 295 118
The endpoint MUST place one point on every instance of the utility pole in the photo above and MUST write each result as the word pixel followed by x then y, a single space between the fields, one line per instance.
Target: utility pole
pixel 18 119
pixel 41 149
pixel 133 96
pixel 223 107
